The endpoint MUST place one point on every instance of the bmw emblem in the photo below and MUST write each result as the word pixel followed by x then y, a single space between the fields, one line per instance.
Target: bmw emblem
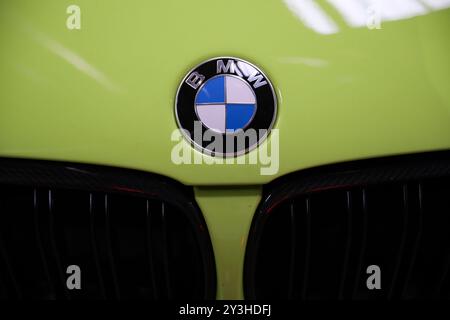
pixel 225 106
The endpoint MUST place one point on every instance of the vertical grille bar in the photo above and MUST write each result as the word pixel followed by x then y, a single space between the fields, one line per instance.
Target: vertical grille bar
pixel 94 246
pixel 148 235
pixel 10 279
pixel 444 276
pixel 402 241
pixel 292 266
pixel 54 246
pixel 9 270
pixel 37 230
pixel 417 240
pixel 109 249
pixel 443 281
pixel 165 251
pixel 363 241
pixel 308 248
pixel 347 245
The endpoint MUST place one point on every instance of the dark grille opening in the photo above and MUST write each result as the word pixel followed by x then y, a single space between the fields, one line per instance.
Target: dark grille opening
pixel 132 244
pixel 315 235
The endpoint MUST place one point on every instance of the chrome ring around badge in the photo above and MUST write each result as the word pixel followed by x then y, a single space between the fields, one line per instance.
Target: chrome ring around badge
pixel 228 99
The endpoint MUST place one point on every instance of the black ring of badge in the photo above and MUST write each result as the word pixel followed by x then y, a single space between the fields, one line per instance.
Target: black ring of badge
pixel 264 117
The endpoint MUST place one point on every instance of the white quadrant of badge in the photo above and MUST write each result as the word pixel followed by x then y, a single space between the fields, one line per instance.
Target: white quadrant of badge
pixel 225 103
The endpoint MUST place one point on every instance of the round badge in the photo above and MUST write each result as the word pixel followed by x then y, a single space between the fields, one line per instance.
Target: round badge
pixel 225 106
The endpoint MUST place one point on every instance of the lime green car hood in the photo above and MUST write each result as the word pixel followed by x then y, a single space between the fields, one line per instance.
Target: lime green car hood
pixel 105 94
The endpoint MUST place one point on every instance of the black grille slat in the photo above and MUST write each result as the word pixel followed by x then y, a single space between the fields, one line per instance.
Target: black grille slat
pixel 46 232
pixel 9 272
pixel 165 257
pixel 395 216
pixel 435 238
pixel 109 250
pixel 95 251
pixel 8 275
pixel 55 252
pixel 43 259
pixel 150 258
pixel 349 210
pixel 365 222
pixel 444 280
pixel 405 214
pixel 417 239
pixel 308 248
pixel 292 266
pixel 38 207
pixel 133 235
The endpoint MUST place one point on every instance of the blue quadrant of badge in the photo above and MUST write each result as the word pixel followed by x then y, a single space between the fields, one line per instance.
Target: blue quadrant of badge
pixel 225 103
pixel 212 92
pixel 238 115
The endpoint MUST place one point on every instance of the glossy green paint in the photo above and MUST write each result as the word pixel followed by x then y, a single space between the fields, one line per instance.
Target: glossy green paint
pixel 229 216
pixel 104 94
